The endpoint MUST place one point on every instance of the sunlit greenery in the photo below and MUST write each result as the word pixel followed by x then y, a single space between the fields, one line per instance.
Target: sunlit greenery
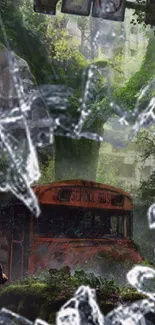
pixel 56 55
pixel 146 147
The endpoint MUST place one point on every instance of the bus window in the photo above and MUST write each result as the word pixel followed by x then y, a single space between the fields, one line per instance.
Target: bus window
pixel 127 226
pixel 101 226
pixel 49 225
pixel 117 225
pixel 85 219
pixel 80 223
pixel 121 225
pixel 114 224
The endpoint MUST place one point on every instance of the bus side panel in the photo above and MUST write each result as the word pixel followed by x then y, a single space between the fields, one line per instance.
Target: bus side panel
pixel 56 253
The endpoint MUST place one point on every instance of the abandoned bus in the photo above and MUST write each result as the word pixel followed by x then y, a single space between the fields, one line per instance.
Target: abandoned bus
pixel 82 224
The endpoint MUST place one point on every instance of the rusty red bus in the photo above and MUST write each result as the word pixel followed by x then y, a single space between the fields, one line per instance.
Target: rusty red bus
pixel 82 224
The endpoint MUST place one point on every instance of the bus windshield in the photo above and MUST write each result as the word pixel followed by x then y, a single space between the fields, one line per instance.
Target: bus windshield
pixel 82 223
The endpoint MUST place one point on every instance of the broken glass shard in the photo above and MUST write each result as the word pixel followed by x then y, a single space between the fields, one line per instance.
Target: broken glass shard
pixel 81 309
pixel 19 163
pixel 135 314
pixel 40 322
pixel 7 317
pixel 143 279
pixel 151 216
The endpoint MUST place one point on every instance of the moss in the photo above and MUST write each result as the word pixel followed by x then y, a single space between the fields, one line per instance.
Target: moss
pixel 107 306
pixel 19 295
pixel 45 311
pixel 52 319
pixel 33 298
pixel 28 308
pixel 132 296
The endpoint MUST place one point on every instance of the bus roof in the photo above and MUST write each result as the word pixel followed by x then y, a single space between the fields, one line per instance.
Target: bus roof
pixel 79 182
pixel 83 193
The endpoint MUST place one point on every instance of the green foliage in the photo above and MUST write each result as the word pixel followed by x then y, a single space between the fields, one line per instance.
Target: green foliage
pixel 147 263
pixel 27 44
pixel 145 142
pixel 38 22
pixel 107 173
pixel 61 51
pixel 127 95
pixel 146 147
pixel 54 57
pixel 47 172
pixel 131 295
pixel 43 295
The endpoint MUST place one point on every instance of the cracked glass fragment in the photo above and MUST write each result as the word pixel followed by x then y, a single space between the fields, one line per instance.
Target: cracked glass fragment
pixel 151 216
pixel 40 322
pixel 19 163
pixel 143 279
pixel 7 317
pixel 81 309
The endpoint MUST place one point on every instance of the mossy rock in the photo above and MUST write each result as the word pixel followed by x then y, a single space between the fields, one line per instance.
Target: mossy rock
pixel 106 307
pixel 12 308
pixel 33 298
pixel 132 296
pixel 28 308
pixel 52 319
pixel 45 311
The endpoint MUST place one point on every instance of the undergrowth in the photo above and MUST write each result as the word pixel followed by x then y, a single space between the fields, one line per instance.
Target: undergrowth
pixel 43 294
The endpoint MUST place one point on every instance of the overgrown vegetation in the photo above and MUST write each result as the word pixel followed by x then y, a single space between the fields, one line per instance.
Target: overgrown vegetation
pixel 146 148
pixel 44 294
pixel 55 56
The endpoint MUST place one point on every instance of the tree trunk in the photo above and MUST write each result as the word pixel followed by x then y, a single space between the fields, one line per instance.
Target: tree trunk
pixel 76 159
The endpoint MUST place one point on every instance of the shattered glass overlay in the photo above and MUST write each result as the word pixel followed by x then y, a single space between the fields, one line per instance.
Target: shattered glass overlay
pixel 133 314
pixel 19 163
pixel 81 309
pixel 85 109
pixel 143 279
pixel 7 317
pixel 142 114
pixel 151 216
pixel 40 322
pixel 31 116
pixel 40 113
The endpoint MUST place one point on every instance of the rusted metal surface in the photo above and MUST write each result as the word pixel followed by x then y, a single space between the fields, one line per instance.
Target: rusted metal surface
pixel 80 193
pixel 54 253
pixel 45 253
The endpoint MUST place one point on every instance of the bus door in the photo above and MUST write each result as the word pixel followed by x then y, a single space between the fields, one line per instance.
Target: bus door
pixel 19 243
pixel 5 237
